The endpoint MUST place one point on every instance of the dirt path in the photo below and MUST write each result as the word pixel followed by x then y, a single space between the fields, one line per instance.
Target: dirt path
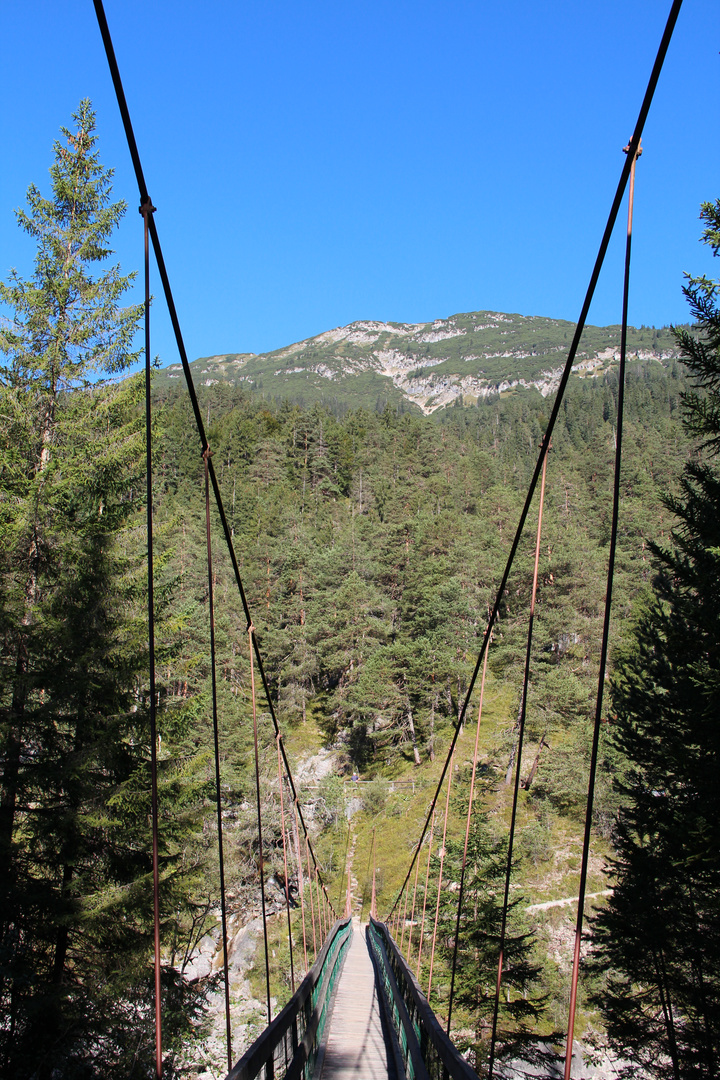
pixel 567 901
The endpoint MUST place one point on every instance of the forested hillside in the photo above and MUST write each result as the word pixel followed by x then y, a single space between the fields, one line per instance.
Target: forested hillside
pixel 423 367
pixel 371 538
pixel 371 544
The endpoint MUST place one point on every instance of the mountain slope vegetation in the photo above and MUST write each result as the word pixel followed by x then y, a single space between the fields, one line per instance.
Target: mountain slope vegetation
pixel 371 544
pixel 426 366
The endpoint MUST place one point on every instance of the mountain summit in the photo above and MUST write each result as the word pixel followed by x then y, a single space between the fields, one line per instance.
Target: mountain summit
pixel 431 365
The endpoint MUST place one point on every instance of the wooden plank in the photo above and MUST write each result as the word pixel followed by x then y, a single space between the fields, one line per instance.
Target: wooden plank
pixel 355 1046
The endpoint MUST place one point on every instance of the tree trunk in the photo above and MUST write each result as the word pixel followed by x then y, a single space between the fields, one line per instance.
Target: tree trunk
pixel 11 773
pixel 531 775
pixel 411 725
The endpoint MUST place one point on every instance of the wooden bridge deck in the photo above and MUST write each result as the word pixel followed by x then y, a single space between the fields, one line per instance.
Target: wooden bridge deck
pixel 355 1045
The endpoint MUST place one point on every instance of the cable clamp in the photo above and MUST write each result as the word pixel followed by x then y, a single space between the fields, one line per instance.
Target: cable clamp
pixel 146 207
pixel 638 152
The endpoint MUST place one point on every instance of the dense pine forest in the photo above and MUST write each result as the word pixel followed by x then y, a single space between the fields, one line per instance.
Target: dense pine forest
pixel 371 542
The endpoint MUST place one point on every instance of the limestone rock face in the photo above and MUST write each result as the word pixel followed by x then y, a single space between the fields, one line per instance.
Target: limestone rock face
pixel 465 358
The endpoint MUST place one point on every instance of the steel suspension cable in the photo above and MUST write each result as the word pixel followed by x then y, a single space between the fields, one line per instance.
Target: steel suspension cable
pixel 216 741
pixel 562 385
pixel 179 341
pixel 461 890
pixel 321 913
pixel 633 152
pixel 345 860
pixel 427 882
pixel 412 912
pixel 518 764
pixel 312 906
pixel 261 857
pixel 301 884
pixel 373 909
pixel 285 869
pixel 404 919
pixel 146 209
pixel 622 183
pixel 440 880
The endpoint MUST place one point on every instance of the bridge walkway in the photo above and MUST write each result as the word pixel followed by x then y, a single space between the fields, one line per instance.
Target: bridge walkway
pixel 359 1014
pixel 358 1043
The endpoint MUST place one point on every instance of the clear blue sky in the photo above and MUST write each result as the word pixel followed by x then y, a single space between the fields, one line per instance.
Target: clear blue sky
pixel 315 163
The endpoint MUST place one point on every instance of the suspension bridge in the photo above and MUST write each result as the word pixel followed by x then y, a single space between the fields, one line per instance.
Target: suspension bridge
pixel 359 1009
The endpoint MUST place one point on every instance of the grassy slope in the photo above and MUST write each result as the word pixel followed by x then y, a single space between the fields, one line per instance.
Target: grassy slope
pixel 396 803
pixel 550 844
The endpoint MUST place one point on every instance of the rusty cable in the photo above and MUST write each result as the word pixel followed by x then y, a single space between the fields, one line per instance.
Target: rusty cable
pixel 633 151
pixel 320 907
pixel 347 849
pixel 285 866
pixel 261 858
pixel 440 878
pixel 373 908
pixel 467 838
pixel 518 763
pixel 216 740
pixel 180 343
pixel 427 881
pixel 560 394
pixel 412 913
pixel 609 228
pixel 404 921
pixel 301 883
pixel 147 209
pixel 312 906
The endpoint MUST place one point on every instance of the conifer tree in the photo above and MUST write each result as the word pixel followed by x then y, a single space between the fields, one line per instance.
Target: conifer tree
pixel 65 328
pixel 520 1031
pixel 658 940
pixel 75 905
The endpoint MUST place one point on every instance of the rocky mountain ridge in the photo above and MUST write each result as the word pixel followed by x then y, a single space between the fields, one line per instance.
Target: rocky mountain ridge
pixel 428 366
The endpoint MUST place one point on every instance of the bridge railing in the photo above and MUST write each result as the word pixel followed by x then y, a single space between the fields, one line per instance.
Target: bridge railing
pixel 427 1052
pixel 287 1049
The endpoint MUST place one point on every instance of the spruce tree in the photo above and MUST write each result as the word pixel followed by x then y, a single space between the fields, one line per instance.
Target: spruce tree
pixel 75 903
pixel 521 1034
pixel 65 328
pixel 658 940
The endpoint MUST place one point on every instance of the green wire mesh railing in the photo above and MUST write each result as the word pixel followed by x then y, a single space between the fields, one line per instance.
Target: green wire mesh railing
pixel 287 1049
pixel 427 1052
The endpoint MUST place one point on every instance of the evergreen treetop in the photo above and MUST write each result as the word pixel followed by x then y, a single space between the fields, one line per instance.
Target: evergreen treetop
pixel 66 327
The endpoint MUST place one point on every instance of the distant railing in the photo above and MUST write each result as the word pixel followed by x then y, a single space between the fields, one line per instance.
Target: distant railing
pixel 427 1052
pixel 287 1049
